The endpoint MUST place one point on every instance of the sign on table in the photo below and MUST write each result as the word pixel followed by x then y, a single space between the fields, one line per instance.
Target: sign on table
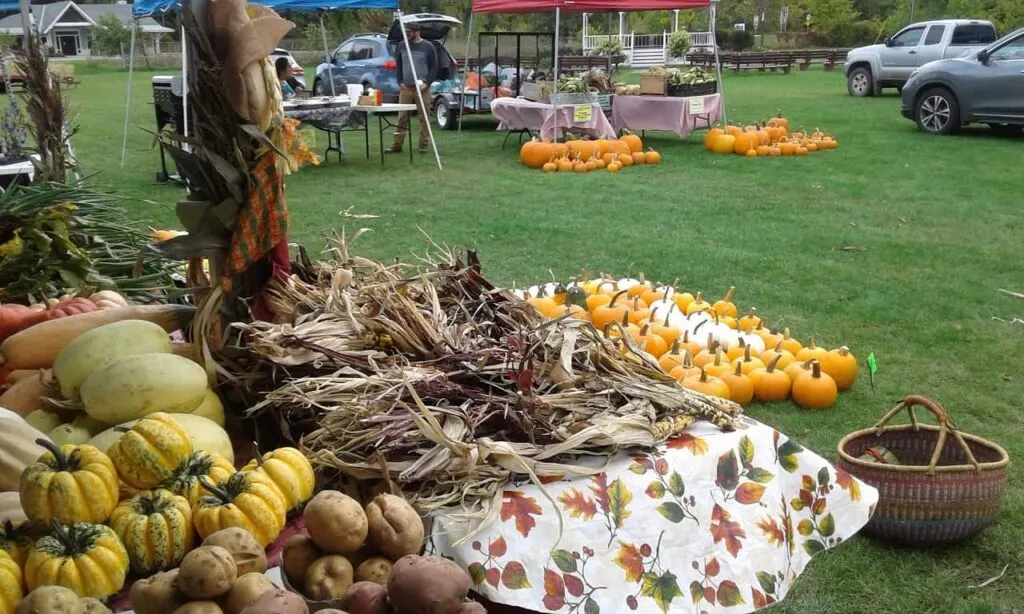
pixel 583 112
pixel 697 105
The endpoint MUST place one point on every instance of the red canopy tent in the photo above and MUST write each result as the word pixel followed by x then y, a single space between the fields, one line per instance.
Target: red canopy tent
pixel 582 6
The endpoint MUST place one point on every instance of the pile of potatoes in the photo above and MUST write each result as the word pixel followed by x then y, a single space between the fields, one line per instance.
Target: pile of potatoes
pixel 223 576
pixel 59 600
pixel 365 561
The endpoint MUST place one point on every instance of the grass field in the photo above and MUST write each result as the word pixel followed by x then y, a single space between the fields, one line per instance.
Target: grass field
pixel 936 222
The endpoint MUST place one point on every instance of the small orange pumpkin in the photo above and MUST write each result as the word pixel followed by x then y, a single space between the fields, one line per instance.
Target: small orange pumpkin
pixel 653 157
pixel 790 344
pixel 550 167
pixel 614 167
pixel 741 387
pixel 626 160
pixel 797 368
pixel 778 353
pixel 815 389
pixel 748 362
pixel 743 143
pixel 771 383
pixel 639 157
pixel 720 365
pixel 724 306
pixel 709 138
pixel 707 385
pixel 685 369
pixel 811 351
pixel 764 150
pixel 841 365
pixel 733 130
pixel 750 321
pixel 564 165
pixel 724 144
pixel 633 141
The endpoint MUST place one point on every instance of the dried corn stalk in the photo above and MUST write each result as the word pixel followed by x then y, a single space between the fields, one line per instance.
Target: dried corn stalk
pixel 432 377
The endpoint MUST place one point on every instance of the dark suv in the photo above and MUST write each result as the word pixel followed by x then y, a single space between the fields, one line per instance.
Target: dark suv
pixel 369 58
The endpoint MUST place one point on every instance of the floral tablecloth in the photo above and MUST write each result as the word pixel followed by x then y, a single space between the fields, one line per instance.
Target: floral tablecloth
pixel 708 522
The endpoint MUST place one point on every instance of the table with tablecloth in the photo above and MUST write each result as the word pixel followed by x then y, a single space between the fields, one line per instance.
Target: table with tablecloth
pixel 674 114
pixel 707 522
pixel 519 114
pixel 332 116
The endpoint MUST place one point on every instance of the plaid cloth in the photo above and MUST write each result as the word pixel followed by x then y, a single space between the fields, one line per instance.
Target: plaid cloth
pixel 262 223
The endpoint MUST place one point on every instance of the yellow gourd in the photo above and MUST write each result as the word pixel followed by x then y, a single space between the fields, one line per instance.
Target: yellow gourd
pixel 155 527
pixel 249 500
pixel 148 454
pixel 70 484
pixel 86 558
pixel 10 583
pixel 289 470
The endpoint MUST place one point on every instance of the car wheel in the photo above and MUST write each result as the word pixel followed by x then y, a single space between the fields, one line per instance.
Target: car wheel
pixel 446 118
pixel 937 112
pixel 860 83
pixel 318 88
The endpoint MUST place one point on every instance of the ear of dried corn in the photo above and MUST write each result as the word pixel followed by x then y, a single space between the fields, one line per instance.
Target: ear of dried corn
pixel 432 377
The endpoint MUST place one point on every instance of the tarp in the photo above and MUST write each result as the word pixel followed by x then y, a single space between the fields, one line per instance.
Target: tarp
pixel 579 6
pixel 9 6
pixel 143 8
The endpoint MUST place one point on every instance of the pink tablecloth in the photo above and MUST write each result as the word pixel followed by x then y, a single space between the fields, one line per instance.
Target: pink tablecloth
pixel 520 114
pixel 664 113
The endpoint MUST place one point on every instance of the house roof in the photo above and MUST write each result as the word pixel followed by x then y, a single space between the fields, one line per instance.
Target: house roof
pixel 46 16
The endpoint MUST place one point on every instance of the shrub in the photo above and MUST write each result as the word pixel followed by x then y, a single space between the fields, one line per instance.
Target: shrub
pixel 109 34
pixel 679 44
pixel 741 40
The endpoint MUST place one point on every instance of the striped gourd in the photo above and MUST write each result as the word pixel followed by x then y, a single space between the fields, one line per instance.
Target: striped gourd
pixel 148 454
pixel 156 529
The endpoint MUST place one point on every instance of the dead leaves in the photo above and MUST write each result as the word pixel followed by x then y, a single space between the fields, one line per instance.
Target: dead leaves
pixel 631 561
pixel 577 504
pixel 725 529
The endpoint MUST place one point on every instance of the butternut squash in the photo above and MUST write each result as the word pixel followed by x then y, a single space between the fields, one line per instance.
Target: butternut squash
pixel 10 508
pixel 136 386
pixel 25 395
pixel 38 347
pixel 18 449
pixel 99 347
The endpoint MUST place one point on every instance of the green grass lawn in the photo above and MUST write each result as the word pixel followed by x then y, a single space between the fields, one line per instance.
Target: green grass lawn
pixel 938 221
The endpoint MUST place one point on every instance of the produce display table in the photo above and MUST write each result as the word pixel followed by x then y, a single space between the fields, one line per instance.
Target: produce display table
pixel 710 521
pixel 383 113
pixel 519 114
pixel 329 114
pixel 16 173
pixel 674 114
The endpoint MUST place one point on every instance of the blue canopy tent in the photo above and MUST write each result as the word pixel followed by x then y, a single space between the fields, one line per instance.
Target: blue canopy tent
pixel 147 8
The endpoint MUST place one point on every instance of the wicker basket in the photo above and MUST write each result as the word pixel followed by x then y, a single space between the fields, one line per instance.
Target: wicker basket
pixel 942 492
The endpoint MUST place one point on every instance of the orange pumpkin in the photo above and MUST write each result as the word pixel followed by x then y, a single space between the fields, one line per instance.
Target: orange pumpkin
pixel 778 353
pixel 626 160
pixel 550 167
pixel 841 365
pixel 653 157
pixel 559 150
pixel 764 150
pixel 591 165
pixel 706 356
pixel 771 383
pixel 779 120
pixel 579 167
pixel 797 368
pixel 720 365
pixel 801 151
pixel 601 145
pixel 599 163
pixel 750 321
pixel 811 351
pixel 748 362
pixel 743 143
pixel 639 157
pixel 711 386
pixel 608 158
pixel 724 306
pixel 563 164
pixel 672 358
pixel 763 138
pixel 614 311
pixel 709 138
pixel 733 130
pixel 724 144
pixel 535 154
pixel 774 152
pixel 633 141
pixel 614 167
pixel 741 387
pixel 788 149
pixel 684 369
pixel 815 389
pixel 790 344
pixel 649 342
pixel 620 147
pixel 811 147
pixel 751 153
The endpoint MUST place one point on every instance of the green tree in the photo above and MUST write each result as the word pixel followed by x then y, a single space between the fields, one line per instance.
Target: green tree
pixel 827 15
pixel 110 34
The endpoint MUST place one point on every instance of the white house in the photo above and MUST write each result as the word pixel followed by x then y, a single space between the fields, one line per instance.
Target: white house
pixel 67 27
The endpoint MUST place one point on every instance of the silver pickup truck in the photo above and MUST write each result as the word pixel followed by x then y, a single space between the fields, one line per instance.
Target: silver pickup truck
pixel 869 69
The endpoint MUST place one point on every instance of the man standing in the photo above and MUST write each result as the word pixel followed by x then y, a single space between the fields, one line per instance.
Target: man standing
pixel 424 58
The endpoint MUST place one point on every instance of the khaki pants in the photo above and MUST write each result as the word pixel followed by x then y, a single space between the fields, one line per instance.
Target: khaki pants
pixel 407 95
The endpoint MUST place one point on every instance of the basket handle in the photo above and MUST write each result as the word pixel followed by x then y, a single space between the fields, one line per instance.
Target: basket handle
pixel 945 427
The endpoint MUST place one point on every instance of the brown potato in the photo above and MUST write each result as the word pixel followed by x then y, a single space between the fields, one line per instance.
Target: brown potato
pixel 299 553
pixel 394 527
pixel 207 572
pixel 91 605
pixel 249 556
pixel 470 607
pixel 157 594
pixel 336 522
pixel 427 585
pixel 278 601
pixel 200 607
pixel 51 600
pixel 245 591
pixel 375 569
pixel 328 578
pixel 365 598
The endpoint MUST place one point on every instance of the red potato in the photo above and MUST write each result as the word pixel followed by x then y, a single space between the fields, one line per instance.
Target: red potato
pixel 365 598
pixel 427 585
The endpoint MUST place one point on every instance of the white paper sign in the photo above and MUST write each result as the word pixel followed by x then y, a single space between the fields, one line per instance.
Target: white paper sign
pixel 697 105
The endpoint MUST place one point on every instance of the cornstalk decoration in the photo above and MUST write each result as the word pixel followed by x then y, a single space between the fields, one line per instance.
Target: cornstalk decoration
pixel 47 113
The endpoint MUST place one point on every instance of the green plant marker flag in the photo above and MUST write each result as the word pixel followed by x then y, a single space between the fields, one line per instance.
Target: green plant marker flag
pixel 872 369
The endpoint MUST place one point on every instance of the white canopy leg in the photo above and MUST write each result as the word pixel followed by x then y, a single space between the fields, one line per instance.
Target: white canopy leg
pixel 554 87
pixel 465 75
pixel 128 97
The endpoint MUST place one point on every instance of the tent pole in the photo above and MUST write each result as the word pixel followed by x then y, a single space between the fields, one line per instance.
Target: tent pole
pixel 128 98
pixel 327 50
pixel 554 90
pixel 465 75
pixel 713 13
pixel 419 93
pixel 184 82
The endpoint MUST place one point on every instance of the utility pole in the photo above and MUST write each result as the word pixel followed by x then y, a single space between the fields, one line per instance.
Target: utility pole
pixel 26 24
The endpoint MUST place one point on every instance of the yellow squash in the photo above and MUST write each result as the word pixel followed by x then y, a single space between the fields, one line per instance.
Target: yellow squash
pixel 10 583
pixel 208 465
pixel 16 539
pixel 69 484
pixel 248 500
pixel 148 454
pixel 139 385
pixel 156 529
pixel 85 558
pixel 289 470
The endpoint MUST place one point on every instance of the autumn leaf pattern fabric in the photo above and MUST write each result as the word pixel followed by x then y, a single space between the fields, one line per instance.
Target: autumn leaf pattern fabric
pixel 708 522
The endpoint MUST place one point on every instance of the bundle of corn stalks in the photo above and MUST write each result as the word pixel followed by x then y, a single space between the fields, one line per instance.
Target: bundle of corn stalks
pixel 431 377
pixel 48 114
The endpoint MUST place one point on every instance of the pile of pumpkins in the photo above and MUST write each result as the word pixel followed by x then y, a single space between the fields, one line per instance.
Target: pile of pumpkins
pixel 91 517
pixel 707 346
pixel 611 155
pixel 771 139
